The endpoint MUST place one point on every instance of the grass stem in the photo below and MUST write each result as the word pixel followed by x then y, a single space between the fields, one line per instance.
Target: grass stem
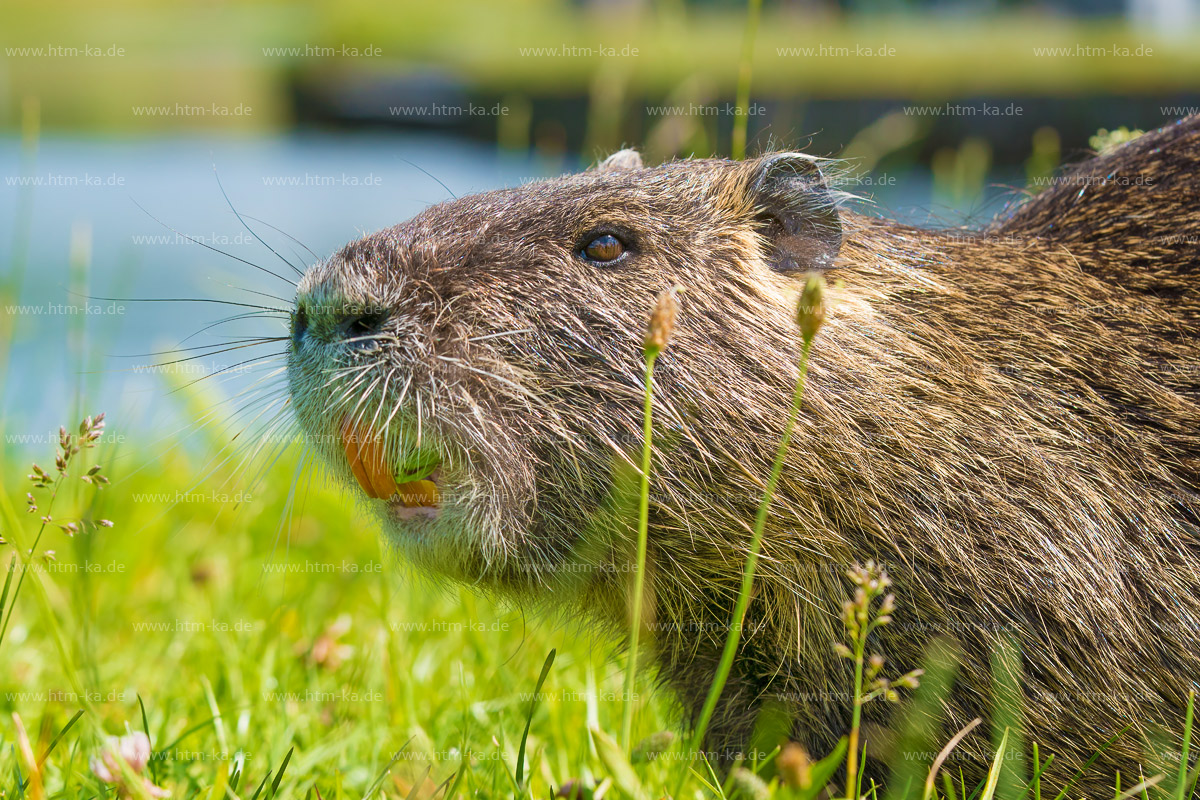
pixel 741 122
pixel 860 646
pixel 733 638
pixel 639 575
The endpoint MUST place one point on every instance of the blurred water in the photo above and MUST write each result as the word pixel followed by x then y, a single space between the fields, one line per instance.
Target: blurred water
pixel 324 189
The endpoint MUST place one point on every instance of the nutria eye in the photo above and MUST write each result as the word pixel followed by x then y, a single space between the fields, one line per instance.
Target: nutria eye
pixel 604 249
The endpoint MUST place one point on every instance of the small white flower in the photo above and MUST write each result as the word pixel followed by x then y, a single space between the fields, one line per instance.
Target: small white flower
pixel 134 750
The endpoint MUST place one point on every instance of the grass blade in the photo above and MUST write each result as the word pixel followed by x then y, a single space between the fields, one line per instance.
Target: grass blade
pixel 1140 788
pixel 146 730
pixel 537 691
pixel 1035 783
pixel 1090 761
pixel 824 770
pixel 282 768
pixel 618 765
pixel 1181 789
pixel 993 778
pixel 458 778
pixel 198 727
pixel 418 783
pixel 944 754
pixel 258 791
pixel 441 787
pixel 12 566
pixel 383 773
pixel 814 287
pixel 58 737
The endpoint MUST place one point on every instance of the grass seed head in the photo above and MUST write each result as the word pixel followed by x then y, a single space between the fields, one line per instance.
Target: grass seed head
pixel 810 313
pixel 662 322
pixel 795 766
pixel 747 786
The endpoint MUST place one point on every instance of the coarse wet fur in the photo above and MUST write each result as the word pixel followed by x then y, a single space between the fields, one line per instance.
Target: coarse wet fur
pixel 1008 419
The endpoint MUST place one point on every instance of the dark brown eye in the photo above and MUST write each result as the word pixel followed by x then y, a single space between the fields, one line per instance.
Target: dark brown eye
pixel 604 249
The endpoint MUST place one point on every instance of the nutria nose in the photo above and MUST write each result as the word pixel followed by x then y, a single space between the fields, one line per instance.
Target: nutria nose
pixel 357 324
pixel 333 322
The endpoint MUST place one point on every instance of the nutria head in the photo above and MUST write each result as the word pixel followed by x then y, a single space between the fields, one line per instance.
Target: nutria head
pixel 477 370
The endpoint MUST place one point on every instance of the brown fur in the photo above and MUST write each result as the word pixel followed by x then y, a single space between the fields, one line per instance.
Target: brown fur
pixel 1009 420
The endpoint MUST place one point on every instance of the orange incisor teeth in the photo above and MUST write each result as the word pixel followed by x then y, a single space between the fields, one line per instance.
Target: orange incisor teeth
pixel 419 493
pixel 368 461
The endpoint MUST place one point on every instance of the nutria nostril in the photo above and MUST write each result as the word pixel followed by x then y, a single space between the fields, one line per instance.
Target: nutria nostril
pixel 299 324
pixel 361 327
pixel 325 314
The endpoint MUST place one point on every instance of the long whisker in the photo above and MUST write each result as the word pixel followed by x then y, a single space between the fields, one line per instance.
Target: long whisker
pixel 268 357
pixel 254 291
pixel 285 233
pixel 207 246
pixel 210 417
pixel 255 395
pixel 252 232
pixel 285 521
pixel 234 318
pixel 245 341
pixel 226 348
pixel 186 300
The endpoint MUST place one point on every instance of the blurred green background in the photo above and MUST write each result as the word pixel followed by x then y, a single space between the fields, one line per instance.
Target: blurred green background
pixel 587 76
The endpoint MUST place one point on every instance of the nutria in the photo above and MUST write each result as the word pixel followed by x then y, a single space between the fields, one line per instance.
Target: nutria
pixel 1009 419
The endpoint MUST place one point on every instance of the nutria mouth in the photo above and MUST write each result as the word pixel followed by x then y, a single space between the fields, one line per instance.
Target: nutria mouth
pixel 410 488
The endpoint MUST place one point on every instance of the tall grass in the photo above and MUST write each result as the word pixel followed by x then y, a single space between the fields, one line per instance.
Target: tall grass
pixel 662 321
pixel 810 316
pixel 741 122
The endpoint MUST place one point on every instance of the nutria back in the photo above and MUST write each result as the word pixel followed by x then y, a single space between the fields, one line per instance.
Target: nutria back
pixel 1008 419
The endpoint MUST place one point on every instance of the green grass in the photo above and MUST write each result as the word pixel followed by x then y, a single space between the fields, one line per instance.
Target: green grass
pixel 312 641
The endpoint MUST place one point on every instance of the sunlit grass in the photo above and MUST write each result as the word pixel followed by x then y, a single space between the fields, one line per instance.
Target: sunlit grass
pixel 312 638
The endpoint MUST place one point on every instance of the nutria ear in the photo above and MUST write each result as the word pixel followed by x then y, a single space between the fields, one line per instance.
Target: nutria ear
pixel 621 160
pixel 798 212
